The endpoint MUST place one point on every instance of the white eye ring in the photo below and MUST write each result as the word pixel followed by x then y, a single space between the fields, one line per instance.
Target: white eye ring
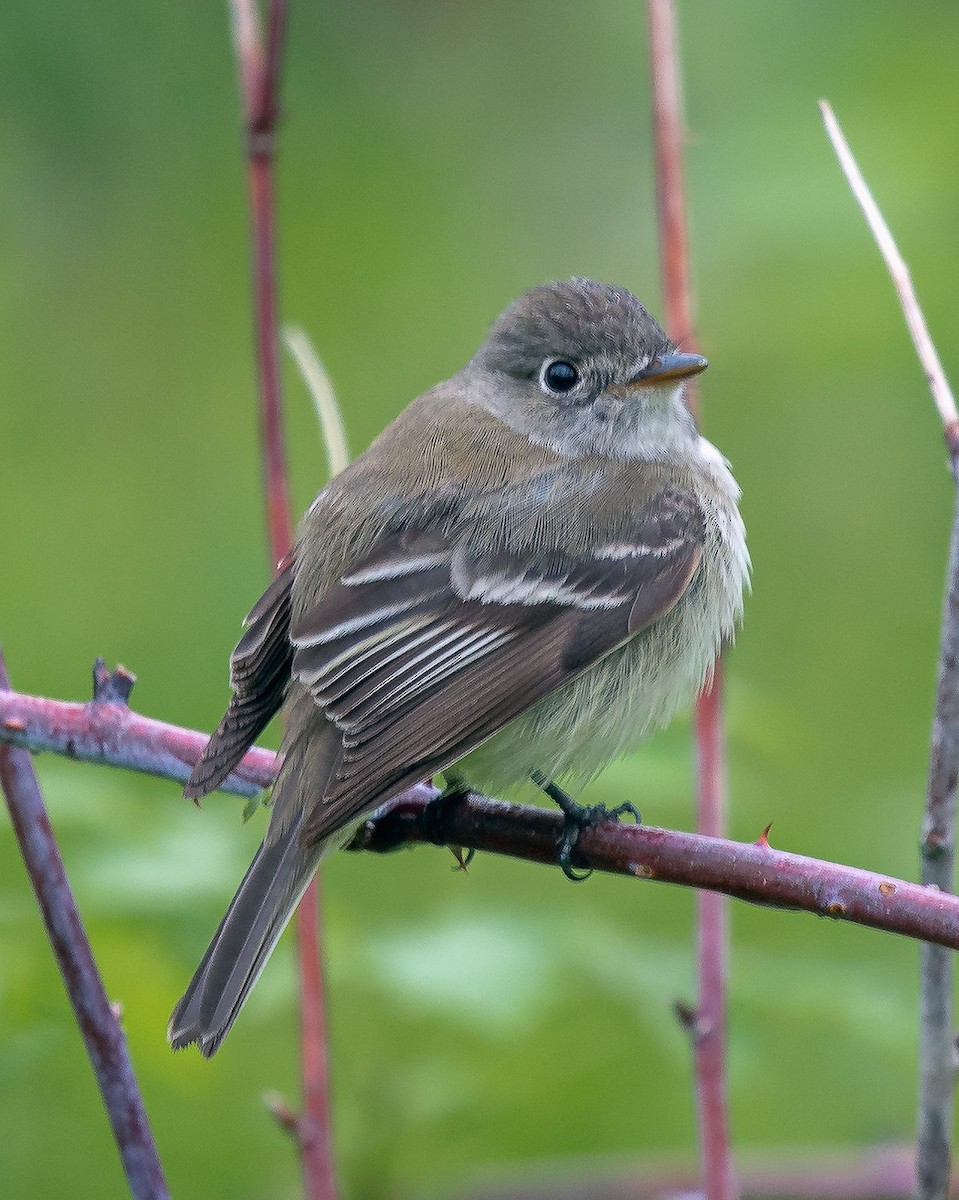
pixel 558 376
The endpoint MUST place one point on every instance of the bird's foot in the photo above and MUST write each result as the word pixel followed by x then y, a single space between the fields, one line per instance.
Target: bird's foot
pixel 578 817
pixel 435 813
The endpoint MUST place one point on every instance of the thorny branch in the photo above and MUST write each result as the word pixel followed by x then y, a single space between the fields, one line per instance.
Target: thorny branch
pixel 747 871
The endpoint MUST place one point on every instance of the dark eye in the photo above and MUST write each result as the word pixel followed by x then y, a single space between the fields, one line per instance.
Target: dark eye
pixel 559 376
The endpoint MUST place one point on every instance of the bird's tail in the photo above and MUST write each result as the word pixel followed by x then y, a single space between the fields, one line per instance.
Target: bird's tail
pixel 265 900
pixel 270 891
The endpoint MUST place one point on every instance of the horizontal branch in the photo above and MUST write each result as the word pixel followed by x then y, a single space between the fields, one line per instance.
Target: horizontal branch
pixel 106 731
pixel 747 871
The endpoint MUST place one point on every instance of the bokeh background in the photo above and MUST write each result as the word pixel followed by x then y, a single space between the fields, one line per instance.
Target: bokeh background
pixel 436 160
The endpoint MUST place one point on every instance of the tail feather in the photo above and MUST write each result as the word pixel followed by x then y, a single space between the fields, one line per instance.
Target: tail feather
pixel 264 901
pixel 271 888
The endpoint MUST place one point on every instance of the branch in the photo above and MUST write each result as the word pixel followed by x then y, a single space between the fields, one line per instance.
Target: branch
pixel 106 731
pixel 937 1048
pixel 753 871
pixel 748 871
pixel 937 1054
pixel 259 70
pixel 98 1022
pixel 259 77
pixel 709 1024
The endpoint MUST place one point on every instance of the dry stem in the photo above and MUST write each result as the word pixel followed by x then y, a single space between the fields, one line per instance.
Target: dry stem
pixel 259 70
pixel 937 1067
pixel 96 1017
pixel 709 1044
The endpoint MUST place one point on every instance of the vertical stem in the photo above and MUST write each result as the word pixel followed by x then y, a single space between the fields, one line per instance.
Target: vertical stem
pixel 278 516
pixel 713 939
pixel 937 1065
pixel 668 138
pixel 105 1043
pixel 710 1025
pixel 314 1126
pixel 259 74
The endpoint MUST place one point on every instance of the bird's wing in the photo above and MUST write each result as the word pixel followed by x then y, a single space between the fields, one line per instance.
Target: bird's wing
pixel 259 674
pixel 424 649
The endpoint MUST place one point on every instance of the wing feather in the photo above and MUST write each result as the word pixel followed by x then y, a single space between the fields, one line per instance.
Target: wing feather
pixel 259 675
pixel 427 648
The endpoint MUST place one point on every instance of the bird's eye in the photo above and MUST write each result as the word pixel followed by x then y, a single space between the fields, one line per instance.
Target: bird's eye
pixel 559 376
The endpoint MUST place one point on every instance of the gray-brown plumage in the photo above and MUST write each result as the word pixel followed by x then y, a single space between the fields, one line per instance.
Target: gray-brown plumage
pixel 534 564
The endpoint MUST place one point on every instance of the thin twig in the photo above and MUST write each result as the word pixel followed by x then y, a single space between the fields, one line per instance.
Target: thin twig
pixel 937 1066
pixel 259 70
pixel 902 280
pixel 95 1016
pixel 713 941
pixel 321 393
pixel 710 1041
pixel 261 110
pixel 937 1052
pixel 248 52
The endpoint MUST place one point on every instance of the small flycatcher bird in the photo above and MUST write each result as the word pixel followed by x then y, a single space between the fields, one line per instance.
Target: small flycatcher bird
pixel 532 566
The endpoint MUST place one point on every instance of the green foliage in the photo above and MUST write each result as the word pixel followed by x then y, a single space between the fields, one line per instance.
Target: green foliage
pixel 436 160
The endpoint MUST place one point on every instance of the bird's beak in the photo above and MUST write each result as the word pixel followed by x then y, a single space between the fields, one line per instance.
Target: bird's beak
pixel 666 368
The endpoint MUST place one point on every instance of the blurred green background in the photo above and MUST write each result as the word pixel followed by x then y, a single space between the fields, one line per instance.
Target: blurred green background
pixel 436 160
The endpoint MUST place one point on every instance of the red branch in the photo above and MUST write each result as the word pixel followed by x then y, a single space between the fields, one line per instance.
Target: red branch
pixel 748 871
pixel 95 1016
pixel 259 70
pixel 755 871
pixel 106 731
pixel 710 1021
pixel 709 1038
pixel 668 137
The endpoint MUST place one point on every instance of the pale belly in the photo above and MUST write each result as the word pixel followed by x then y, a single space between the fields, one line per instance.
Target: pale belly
pixel 608 710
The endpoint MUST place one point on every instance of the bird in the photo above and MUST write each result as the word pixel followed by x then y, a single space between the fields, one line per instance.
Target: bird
pixel 532 567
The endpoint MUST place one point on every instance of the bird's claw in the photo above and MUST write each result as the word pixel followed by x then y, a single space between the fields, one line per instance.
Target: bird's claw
pixel 434 814
pixel 578 817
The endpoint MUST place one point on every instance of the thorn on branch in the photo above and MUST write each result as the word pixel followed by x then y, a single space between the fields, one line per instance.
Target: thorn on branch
pixel 112 687
pixel 763 839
